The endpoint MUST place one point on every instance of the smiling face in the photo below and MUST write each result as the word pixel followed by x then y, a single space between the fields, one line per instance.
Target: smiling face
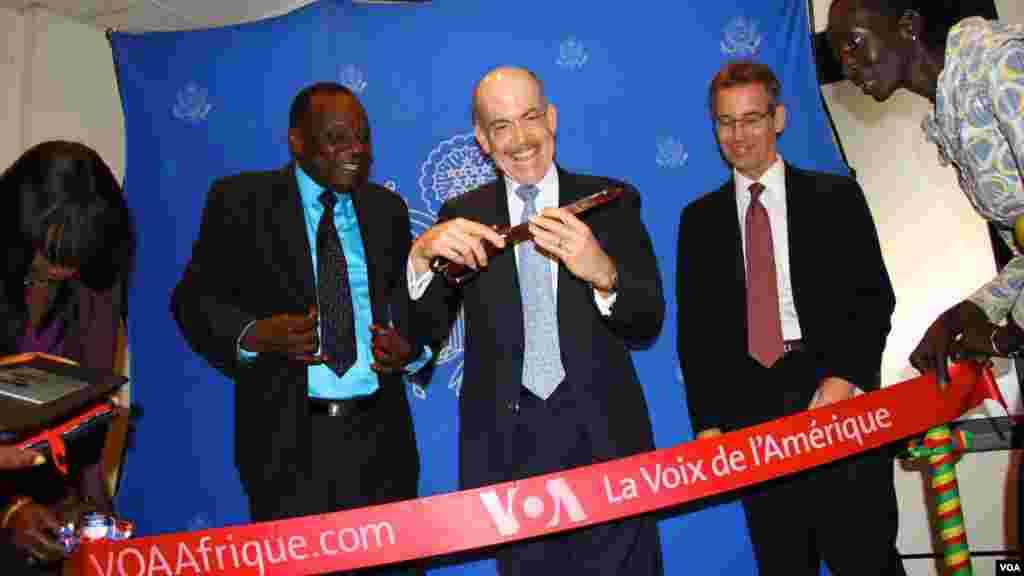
pixel 870 47
pixel 332 142
pixel 515 125
pixel 748 126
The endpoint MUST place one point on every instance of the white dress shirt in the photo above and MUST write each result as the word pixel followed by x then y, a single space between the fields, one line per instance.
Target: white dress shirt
pixel 774 200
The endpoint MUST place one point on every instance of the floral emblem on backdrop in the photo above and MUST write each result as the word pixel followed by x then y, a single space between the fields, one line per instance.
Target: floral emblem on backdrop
pixel 572 54
pixel 452 168
pixel 351 77
pixel 192 104
pixel 741 37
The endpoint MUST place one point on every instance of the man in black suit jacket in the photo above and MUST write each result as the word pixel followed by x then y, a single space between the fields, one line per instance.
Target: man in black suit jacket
pixel 308 440
pixel 607 296
pixel 833 300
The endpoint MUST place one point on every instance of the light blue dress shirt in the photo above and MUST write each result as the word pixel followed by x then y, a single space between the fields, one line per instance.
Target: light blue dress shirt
pixel 360 379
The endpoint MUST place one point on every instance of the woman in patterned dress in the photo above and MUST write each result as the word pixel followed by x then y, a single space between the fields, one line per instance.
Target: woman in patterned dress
pixel 972 70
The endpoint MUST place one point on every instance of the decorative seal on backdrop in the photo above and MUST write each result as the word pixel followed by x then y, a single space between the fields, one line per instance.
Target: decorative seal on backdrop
pixel 452 168
pixel 192 104
pixel 671 153
pixel 572 54
pixel 741 37
pixel 353 78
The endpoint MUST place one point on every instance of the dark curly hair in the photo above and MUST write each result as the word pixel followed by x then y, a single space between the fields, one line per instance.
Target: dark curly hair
pixel 65 187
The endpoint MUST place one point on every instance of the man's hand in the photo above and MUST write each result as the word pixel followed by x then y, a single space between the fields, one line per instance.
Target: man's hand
pixel 709 433
pixel 34 530
pixel 458 240
pixel 288 334
pixel 962 328
pixel 561 234
pixel 832 389
pixel 12 457
pixel 391 351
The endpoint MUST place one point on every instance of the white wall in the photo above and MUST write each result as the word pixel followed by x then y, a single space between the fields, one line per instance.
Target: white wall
pixel 11 68
pixel 59 83
pixel 937 251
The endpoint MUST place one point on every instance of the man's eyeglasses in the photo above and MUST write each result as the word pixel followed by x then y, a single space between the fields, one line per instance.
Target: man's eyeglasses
pixel 749 122
pixel 501 129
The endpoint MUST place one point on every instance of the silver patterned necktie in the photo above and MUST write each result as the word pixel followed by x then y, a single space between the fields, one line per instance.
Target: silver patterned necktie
pixel 542 358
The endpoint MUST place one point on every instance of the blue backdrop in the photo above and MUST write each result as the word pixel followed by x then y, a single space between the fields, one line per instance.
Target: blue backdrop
pixel 631 89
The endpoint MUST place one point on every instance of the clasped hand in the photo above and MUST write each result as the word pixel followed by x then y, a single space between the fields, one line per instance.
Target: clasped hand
pixel 292 335
pixel 295 336
pixel 561 234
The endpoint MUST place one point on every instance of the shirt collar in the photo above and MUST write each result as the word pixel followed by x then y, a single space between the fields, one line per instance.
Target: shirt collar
pixel 546 184
pixel 310 192
pixel 774 180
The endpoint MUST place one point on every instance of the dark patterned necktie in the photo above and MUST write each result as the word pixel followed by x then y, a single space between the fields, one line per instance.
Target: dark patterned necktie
pixel 764 326
pixel 337 326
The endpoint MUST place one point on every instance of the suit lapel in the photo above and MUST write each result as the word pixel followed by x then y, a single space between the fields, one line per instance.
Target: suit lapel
pixel 573 294
pixel 799 223
pixel 502 269
pixel 732 247
pixel 569 191
pixel 297 258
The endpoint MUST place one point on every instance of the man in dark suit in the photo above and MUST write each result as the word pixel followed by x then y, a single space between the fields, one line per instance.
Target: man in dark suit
pixel 784 305
pixel 292 272
pixel 548 381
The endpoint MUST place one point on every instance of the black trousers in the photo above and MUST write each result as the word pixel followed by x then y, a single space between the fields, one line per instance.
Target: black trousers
pixel 843 513
pixel 360 459
pixel 551 436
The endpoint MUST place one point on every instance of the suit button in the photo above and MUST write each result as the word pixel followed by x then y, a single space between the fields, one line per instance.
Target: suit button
pixel 513 407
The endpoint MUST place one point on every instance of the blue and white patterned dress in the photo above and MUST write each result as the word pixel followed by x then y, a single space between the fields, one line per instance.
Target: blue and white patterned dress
pixel 978 125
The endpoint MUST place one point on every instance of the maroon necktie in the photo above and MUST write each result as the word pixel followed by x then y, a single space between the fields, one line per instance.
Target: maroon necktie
pixel 764 327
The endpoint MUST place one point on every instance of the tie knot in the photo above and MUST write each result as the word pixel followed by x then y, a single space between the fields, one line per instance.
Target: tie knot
pixel 755 191
pixel 328 199
pixel 527 192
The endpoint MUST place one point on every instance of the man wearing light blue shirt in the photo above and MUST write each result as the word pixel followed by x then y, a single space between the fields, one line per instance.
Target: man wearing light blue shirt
pixel 297 291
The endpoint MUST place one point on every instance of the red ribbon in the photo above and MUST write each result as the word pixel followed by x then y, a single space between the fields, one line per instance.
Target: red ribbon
pixel 566 500
pixel 54 437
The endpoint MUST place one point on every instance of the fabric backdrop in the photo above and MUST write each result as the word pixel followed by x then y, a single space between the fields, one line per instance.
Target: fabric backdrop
pixel 630 83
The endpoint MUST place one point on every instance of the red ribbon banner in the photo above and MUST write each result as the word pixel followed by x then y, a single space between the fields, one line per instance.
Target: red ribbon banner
pixel 53 438
pixel 500 513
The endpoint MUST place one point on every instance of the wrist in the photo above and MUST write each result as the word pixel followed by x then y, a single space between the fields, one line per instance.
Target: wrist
pixel 607 283
pixel 420 262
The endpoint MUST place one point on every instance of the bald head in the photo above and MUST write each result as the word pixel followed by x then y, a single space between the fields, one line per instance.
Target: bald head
pixel 497 80
pixel 514 123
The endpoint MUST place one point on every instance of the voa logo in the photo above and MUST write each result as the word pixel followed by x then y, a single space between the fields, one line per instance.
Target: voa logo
pixel 510 510
pixel 1008 567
